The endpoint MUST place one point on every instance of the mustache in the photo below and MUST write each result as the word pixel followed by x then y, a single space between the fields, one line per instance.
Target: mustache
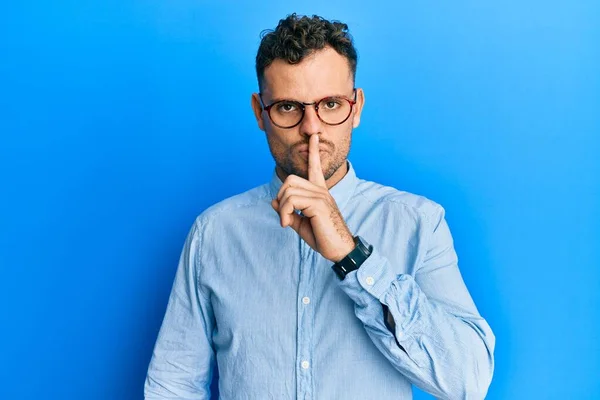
pixel 321 142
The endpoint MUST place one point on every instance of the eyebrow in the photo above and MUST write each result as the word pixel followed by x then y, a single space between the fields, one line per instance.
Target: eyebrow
pixel 277 99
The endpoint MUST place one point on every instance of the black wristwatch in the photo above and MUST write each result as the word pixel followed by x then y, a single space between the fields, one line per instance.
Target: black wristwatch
pixel 354 259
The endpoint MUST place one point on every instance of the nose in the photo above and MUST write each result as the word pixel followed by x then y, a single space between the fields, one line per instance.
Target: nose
pixel 311 123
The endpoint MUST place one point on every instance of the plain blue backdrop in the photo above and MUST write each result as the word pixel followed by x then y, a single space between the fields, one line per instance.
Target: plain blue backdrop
pixel 121 121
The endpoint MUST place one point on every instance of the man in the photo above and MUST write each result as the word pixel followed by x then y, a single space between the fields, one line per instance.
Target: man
pixel 318 285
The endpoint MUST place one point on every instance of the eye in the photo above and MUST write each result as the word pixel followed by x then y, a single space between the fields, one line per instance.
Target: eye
pixel 331 104
pixel 286 107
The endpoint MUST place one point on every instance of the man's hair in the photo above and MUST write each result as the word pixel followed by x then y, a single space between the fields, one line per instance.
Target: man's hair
pixel 297 37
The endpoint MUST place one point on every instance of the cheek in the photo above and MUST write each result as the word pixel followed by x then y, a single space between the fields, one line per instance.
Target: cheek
pixel 342 144
pixel 279 141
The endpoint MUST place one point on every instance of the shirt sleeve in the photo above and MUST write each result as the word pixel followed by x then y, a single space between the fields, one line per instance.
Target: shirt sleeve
pixel 440 342
pixel 181 364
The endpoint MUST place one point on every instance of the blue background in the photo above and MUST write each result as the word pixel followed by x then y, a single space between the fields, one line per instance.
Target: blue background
pixel 121 121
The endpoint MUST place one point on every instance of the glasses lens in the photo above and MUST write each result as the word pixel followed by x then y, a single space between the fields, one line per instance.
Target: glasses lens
pixel 286 113
pixel 334 110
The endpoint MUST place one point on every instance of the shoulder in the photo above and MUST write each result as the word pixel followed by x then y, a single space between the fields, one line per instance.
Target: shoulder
pixel 400 201
pixel 231 208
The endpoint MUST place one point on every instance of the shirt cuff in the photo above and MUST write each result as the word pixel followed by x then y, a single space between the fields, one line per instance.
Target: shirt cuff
pixel 376 280
pixel 374 275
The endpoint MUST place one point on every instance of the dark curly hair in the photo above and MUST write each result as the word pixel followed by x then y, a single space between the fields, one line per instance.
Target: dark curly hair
pixel 296 37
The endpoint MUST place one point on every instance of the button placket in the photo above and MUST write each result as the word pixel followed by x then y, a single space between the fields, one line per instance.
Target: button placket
pixel 304 321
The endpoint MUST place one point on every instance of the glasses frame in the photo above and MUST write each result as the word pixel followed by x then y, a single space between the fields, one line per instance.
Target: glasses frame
pixel 303 106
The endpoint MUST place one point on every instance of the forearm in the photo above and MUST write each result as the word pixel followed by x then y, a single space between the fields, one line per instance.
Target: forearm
pixel 446 352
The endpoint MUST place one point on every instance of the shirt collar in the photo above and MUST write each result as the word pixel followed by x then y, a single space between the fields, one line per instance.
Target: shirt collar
pixel 341 191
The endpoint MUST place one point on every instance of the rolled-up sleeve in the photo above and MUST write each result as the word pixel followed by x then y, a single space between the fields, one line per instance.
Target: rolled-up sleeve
pixel 439 340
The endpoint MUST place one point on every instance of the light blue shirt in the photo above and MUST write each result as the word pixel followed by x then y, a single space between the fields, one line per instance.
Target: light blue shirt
pixel 257 301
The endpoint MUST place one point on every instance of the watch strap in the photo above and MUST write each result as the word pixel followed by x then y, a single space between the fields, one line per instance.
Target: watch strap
pixel 354 259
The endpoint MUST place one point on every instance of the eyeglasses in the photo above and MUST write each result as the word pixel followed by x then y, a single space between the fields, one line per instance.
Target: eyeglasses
pixel 332 110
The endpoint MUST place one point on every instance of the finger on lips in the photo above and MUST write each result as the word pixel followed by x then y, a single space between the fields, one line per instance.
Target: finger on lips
pixel 315 171
pixel 305 192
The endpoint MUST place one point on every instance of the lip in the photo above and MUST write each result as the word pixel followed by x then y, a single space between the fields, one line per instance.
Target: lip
pixel 304 153
pixel 304 149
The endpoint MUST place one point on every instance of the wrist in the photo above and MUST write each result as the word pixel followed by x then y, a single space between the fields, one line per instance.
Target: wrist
pixel 353 260
pixel 348 248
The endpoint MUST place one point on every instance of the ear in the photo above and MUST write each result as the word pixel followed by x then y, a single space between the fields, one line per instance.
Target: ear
pixel 358 107
pixel 258 110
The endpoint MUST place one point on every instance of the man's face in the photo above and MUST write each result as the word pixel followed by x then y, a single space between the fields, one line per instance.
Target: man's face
pixel 322 74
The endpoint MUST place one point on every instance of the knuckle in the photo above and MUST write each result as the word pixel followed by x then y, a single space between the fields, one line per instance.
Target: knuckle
pixel 289 193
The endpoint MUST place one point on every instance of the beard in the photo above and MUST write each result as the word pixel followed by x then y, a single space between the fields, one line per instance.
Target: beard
pixel 292 163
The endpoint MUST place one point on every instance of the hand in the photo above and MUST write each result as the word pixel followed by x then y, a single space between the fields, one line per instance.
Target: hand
pixel 322 227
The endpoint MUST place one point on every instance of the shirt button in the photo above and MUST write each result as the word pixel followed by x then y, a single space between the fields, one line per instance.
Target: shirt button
pixel 306 300
pixel 370 281
pixel 305 364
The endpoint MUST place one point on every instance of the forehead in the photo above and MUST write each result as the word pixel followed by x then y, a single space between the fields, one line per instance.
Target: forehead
pixel 322 73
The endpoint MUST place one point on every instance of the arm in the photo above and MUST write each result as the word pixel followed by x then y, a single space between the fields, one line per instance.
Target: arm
pixel 439 340
pixel 181 365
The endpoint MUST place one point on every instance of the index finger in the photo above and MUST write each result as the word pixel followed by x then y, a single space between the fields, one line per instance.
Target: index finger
pixel 315 171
